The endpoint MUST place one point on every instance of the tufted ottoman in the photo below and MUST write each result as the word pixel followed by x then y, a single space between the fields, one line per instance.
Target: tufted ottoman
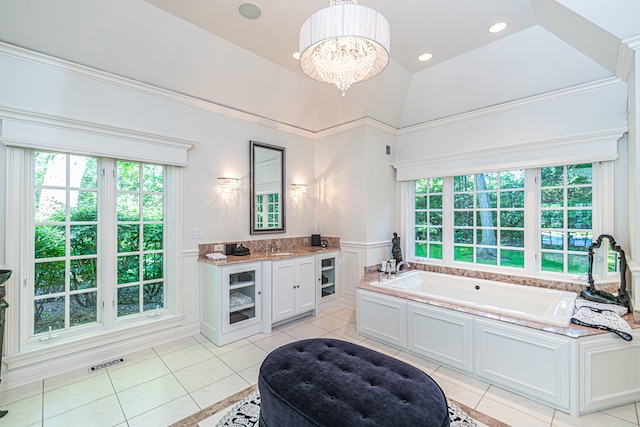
pixel 327 382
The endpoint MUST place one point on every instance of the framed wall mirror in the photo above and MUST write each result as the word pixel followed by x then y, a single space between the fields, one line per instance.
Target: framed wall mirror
pixel 607 262
pixel 267 170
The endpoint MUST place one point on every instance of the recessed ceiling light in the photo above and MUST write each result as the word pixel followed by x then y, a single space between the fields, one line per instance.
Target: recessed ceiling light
pixel 425 57
pixel 249 11
pixel 296 55
pixel 497 27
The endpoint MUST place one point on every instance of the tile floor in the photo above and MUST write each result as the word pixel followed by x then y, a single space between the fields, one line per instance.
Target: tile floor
pixel 166 383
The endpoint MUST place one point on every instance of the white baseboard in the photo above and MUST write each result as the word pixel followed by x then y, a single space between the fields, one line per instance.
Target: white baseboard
pixel 38 365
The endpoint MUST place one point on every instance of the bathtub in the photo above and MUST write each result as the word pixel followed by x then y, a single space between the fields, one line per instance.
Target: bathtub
pixel 548 306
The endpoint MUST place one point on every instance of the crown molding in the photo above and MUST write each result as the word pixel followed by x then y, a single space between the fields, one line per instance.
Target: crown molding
pixel 145 88
pixel 362 122
pixel 581 148
pixel 32 129
pixel 626 57
pixel 512 105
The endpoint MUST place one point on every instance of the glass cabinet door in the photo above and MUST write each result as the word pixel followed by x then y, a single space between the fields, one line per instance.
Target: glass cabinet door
pixel 242 296
pixel 328 277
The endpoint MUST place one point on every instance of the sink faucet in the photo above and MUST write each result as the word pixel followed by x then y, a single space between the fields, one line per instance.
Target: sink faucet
pixel 277 246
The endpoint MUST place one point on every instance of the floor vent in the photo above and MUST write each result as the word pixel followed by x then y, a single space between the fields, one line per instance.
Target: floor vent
pixel 104 365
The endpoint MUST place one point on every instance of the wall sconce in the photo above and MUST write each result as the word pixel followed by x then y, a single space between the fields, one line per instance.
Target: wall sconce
pixel 298 190
pixel 228 185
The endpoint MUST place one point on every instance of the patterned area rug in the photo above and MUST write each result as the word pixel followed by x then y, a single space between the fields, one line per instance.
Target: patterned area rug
pixel 247 412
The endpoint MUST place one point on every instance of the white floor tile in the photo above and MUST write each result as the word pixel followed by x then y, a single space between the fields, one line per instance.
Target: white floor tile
pixel 244 357
pixel 520 403
pixel 290 325
pixel 103 412
pixel 166 414
pixel 23 413
pixel 345 314
pixel 203 373
pixel 70 377
pixel 217 391
pixel 276 340
pixel 509 415
pixel 329 323
pixel 150 395
pixel 250 375
pixel 135 374
pixel 135 357
pixel 459 394
pixel 19 393
pixel 333 310
pixel 66 398
pixel 597 419
pixel 305 330
pixel 420 363
pixel 174 345
pixel 625 412
pixel 349 333
pixel 217 351
pixel 461 380
pixel 186 356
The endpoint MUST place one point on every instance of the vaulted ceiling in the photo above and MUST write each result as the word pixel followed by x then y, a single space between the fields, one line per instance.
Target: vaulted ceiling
pixel 206 49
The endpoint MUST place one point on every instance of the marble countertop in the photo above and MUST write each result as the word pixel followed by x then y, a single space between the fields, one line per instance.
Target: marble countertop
pixel 573 331
pixel 268 256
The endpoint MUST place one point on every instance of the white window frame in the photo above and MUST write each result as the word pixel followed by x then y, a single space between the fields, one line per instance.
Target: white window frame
pixel 22 166
pixel 602 222
pixel 54 134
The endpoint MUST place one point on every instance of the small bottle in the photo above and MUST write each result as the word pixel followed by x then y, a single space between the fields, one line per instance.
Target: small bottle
pixel 383 266
pixel 392 265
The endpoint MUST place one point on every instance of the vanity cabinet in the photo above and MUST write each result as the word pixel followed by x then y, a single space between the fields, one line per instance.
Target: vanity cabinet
pixel 230 301
pixel 328 278
pixel 293 290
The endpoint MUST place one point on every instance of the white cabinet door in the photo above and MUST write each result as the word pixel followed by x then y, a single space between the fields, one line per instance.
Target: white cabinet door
pixel 293 287
pixel 230 301
pixel 306 290
pixel 283 295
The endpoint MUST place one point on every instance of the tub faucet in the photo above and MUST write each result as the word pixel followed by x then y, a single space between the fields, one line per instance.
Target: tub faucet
pixel 277 246
pixel 401 263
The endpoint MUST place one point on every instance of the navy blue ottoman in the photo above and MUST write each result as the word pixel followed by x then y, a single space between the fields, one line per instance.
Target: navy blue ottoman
pixel 327 382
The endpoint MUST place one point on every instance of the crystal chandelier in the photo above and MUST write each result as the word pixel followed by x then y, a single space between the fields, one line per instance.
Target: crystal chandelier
pixel 344 44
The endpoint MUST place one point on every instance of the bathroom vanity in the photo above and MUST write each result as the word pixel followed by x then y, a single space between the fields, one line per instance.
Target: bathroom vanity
pixel 244 296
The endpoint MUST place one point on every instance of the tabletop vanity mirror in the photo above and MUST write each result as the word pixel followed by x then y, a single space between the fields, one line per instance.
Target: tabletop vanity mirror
pixel 607 263
pixel 267 170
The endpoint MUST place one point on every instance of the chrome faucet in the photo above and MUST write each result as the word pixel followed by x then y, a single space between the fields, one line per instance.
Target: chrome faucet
pixel 401 263
pixel 277 245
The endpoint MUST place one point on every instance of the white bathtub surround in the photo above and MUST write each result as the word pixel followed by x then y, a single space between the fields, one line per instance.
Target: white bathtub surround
pixel 568 368
pixel 548 306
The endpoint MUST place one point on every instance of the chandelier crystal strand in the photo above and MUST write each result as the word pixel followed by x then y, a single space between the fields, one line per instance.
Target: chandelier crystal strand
pixel 343 61
pixel 344 44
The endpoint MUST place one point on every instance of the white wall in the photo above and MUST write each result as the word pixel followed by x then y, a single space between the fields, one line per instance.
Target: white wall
pixel 356 197
pixel 578 111
pixel 65 93
pixel 222 143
